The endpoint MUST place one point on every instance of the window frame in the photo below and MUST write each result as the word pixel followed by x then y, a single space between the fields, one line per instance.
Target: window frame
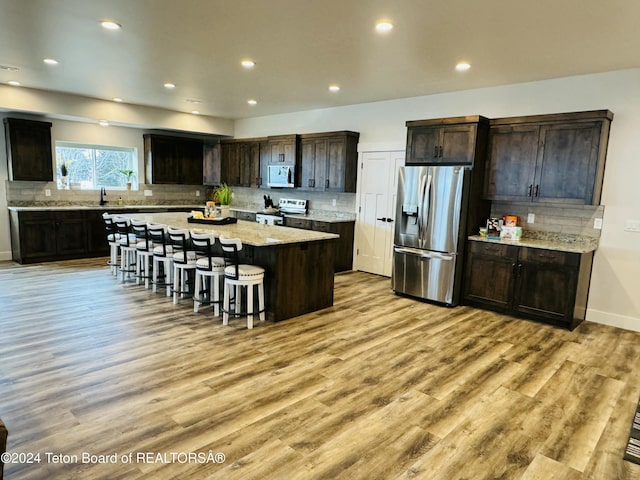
pixel 133 164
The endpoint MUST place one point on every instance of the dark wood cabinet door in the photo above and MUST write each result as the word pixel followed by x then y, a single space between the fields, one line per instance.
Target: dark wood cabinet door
pixel 230 161
pixel 212 166
pixel 190 154
pixel 97 235
pixel 546 284
pixel 511 165
pixel 36 231
pixel 422 145
pixel 283 149
pixel 313 164
pixel 71 233
pixel 567 163
pixel 173 160
pixel 29 152
pixel 457 144
pixel 489 279
pixel 336 165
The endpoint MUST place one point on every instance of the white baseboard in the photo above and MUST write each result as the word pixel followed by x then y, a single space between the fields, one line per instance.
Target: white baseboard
pixel 5 256
pixel 613 319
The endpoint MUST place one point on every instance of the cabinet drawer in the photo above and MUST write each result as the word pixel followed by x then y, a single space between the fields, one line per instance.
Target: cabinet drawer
pixel 495 249
pixel 538 255
pixel 322 226
pixel 298 223
pixel 248 216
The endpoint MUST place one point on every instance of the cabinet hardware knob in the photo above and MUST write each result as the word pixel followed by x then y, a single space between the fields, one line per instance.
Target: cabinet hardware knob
pixel 440 155
pixel 389 220
pixel 326 183
pixel 536 191
pixel 530 189
pixel 383 219
pixel 435 152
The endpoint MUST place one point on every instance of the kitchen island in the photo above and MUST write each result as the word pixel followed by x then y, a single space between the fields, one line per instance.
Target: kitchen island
pixel 298 263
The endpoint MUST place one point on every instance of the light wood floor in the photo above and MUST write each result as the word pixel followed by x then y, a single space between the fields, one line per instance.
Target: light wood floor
pixel 376 387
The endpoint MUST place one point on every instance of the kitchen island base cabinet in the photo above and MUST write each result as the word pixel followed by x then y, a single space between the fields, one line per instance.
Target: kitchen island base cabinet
pixel 298 277
pixel 545 285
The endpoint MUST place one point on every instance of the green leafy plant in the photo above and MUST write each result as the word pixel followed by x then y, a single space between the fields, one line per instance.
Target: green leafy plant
pixel 64 169
pixel 222 194
pixel 128 174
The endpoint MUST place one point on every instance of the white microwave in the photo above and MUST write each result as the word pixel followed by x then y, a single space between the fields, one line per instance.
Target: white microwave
pixel 281 176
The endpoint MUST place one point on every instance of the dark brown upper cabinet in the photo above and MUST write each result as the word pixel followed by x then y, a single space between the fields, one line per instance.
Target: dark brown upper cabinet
pixel 329 161
pixel 443 141
pixel 284 149
pixel 241 162
pixel 557 158
pixel 29 153
pixel 173 160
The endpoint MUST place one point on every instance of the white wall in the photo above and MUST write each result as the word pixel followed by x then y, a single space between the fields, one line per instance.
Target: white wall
pixel 615 283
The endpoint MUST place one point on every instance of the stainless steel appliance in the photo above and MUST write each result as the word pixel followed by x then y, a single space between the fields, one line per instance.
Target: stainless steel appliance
pixel 429 229
pixel 280 176
pixel 273 216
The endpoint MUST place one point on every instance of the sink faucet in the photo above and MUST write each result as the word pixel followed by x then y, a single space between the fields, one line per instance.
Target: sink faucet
pixel 103 193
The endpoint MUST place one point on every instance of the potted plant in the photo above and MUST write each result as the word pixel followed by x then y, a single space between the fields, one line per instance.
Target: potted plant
pixel 129 175
pixel 64 174
pixel 222 197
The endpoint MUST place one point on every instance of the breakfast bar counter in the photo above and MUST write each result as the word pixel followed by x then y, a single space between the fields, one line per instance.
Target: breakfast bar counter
pixel 298 263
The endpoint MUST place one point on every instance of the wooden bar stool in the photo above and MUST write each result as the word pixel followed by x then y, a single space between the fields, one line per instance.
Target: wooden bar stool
pixel 144 251
pixel 184 262
pixel 238 276
pixel 162 257
pixel 209 271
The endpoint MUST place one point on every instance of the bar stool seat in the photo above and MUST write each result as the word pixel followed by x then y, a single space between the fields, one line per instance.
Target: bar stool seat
pixel 209 272
pixel 238 276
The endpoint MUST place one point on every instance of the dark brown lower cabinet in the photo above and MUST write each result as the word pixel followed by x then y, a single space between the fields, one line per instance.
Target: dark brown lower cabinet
pixel 344 246
pixel 546 285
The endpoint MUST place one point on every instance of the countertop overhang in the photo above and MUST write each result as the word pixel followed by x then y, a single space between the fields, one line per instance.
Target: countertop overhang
pixel 250 233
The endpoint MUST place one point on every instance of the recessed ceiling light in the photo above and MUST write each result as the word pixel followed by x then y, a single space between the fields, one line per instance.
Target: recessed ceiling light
pixel 169 85
pixel 384 26
pixel 252 102
pixel 118 99
pixel 195 112
pixel 13 83
pixel 334 88
pixel 50 61
pixel 110 25
pixel 103 123
pixel 463 66
pixel 248 63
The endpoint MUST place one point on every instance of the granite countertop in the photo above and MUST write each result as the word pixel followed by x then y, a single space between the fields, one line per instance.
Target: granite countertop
pixel 559 242
pixel 107 207
pixel 250 233
pixel 318 215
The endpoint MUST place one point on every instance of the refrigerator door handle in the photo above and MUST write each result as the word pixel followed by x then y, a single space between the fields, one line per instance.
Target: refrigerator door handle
pixel 425 202
pixel 447 257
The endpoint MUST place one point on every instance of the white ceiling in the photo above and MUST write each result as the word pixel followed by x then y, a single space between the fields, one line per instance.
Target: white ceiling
pixel 303 46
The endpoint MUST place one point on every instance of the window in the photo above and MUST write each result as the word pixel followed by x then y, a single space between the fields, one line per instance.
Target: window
pixel 95 166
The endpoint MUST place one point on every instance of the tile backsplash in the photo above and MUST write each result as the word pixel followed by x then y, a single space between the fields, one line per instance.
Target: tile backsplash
pixel 566 219
pixel 35 194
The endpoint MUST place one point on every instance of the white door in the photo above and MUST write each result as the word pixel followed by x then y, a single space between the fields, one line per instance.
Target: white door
pixel 376 211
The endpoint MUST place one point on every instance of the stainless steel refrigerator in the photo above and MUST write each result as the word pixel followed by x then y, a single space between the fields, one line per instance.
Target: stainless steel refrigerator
pixel 430 215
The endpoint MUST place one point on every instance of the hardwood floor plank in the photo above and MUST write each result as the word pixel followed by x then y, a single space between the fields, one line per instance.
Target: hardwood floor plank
pixel 378 386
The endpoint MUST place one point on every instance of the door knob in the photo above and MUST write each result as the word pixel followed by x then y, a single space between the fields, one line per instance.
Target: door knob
pixel 389 220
